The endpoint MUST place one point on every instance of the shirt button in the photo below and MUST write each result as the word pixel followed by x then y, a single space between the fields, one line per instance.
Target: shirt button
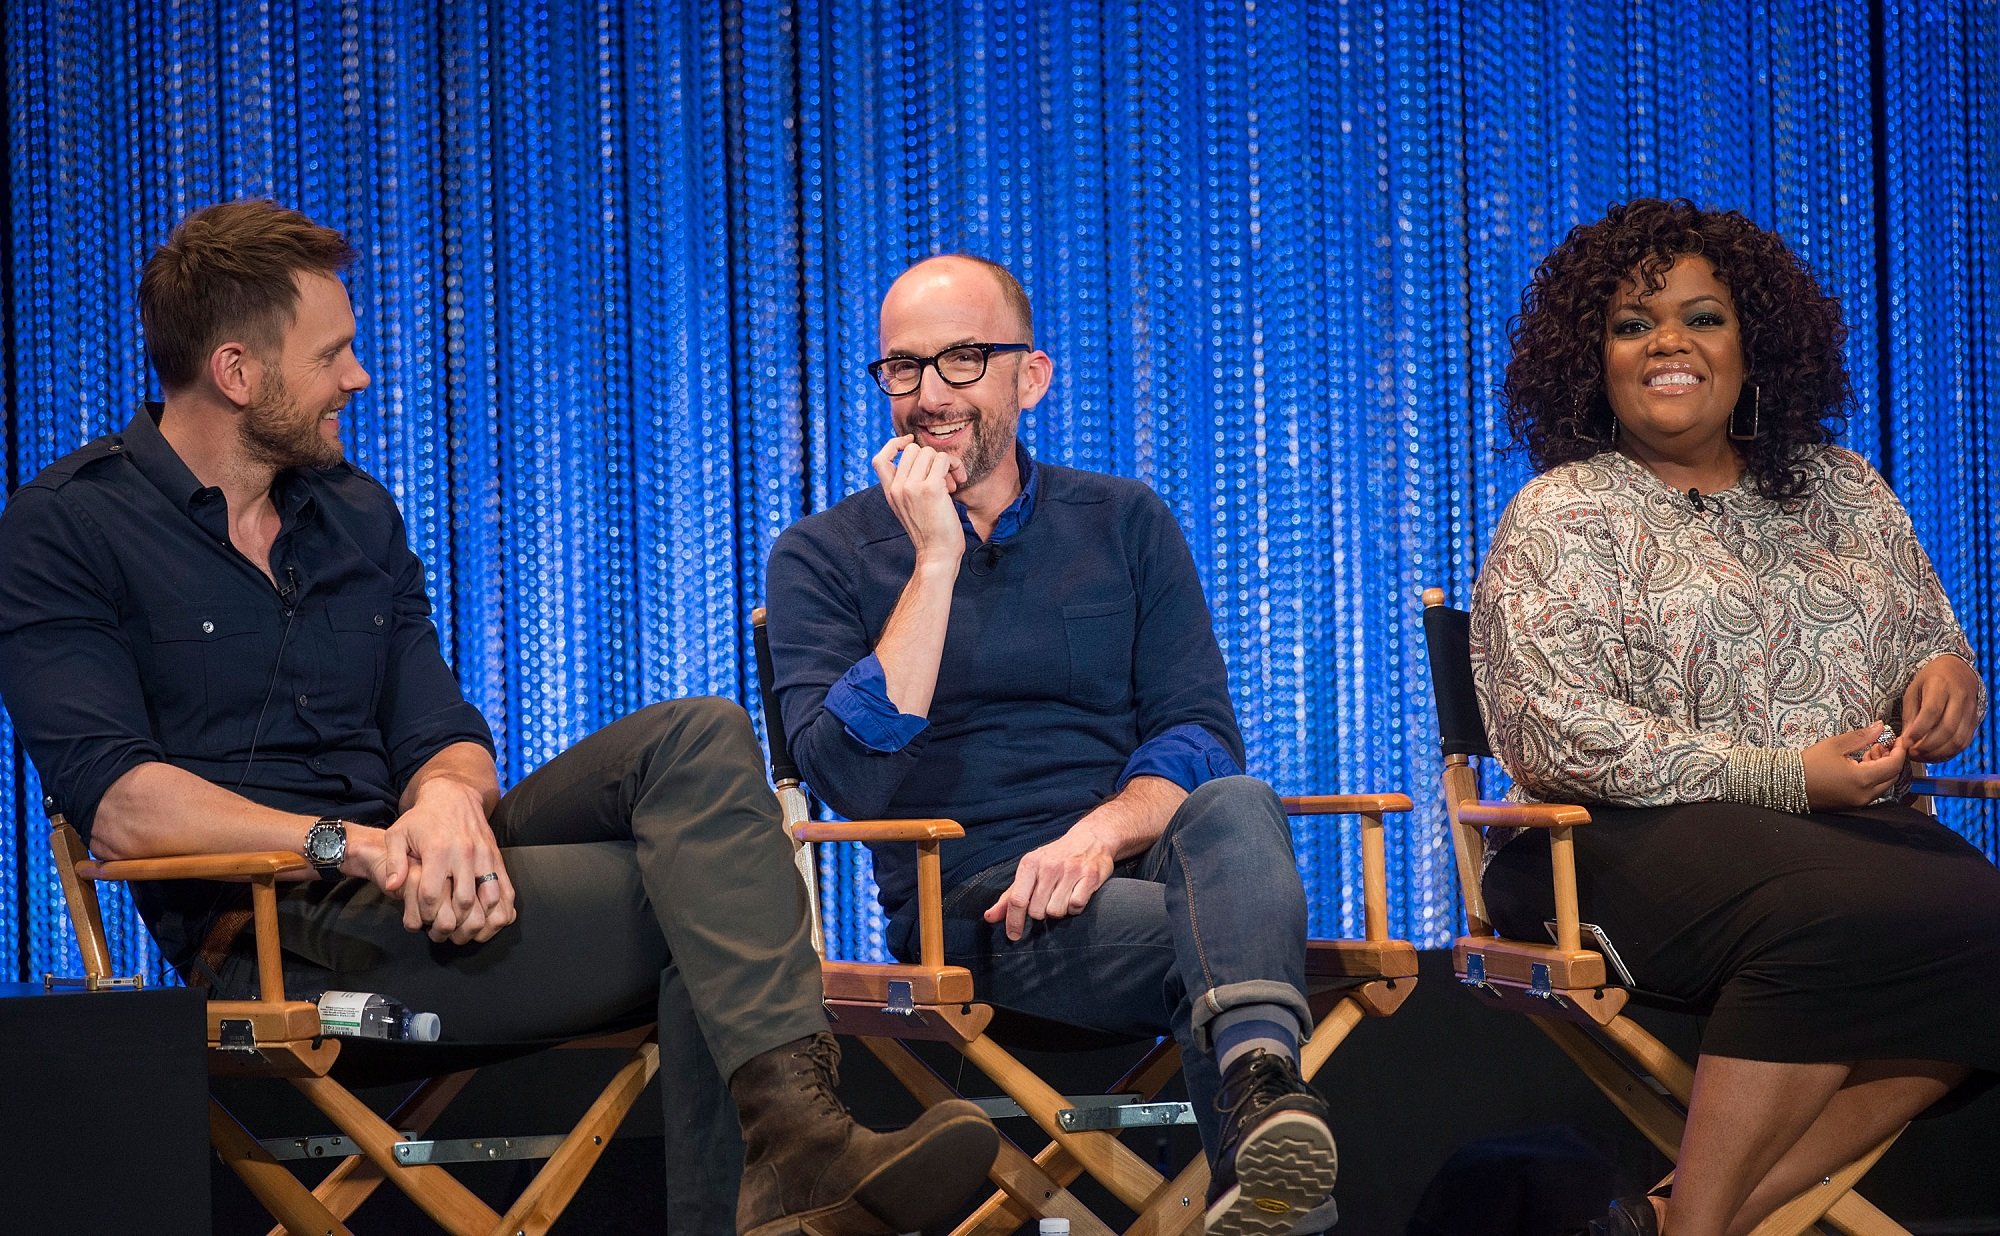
pixel 285 614
pixel 302 701
pixel 207 628
pixel 319 765
pixel 378 620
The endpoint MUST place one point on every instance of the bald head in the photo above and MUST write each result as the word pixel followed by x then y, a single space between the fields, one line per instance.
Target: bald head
pixel 960 277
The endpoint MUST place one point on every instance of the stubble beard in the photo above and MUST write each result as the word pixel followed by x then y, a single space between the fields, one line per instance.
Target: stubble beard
pixel 983 451
pixel 276 431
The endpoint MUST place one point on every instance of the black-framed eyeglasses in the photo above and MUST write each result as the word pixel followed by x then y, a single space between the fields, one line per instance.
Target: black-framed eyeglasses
pixel 961 364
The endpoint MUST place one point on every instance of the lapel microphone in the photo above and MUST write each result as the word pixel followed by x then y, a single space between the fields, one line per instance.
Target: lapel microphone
pixel 1695 499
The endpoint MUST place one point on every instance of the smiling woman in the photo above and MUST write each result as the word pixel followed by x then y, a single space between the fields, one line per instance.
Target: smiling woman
pixel 1665 285
pixel 1719 629
pixel 1673 371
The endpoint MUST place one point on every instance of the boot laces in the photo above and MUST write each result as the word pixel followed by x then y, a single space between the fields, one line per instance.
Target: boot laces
pixel 1261 1080
pixel 820 1078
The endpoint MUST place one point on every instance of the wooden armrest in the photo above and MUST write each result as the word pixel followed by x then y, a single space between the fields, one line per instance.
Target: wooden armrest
pixel 243 866
pixel 877 830
pixel 1514 961
pixel 869 982
pixel 1972 785
pixel 1489 814
pixel 1345 804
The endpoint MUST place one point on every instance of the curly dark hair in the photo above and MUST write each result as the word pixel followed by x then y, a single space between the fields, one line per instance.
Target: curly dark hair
pixel 1792 335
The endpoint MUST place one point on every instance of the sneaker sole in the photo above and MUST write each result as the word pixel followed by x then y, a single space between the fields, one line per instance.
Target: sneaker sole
pixel 1284 1168
pixel 952 1156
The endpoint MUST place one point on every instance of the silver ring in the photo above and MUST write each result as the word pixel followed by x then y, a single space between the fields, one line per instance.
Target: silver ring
pixel 479 880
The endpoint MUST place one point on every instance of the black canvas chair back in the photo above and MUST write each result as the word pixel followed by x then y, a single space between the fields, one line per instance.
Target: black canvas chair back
pixel 1448 640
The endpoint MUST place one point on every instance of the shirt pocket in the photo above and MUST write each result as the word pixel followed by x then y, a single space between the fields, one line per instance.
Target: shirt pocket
pixel 1100 635
pixel 203 662
pixel 361 651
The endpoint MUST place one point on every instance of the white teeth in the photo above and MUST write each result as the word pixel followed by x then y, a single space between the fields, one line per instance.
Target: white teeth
pixel 1677 378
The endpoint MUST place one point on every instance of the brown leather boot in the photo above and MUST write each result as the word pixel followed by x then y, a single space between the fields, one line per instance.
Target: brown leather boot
pixel 808 1168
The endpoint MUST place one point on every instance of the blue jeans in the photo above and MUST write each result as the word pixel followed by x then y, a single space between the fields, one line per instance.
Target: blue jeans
pixel 1212 918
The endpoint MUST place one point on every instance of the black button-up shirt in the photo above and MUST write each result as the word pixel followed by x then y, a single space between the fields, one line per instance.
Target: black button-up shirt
pixel 132 631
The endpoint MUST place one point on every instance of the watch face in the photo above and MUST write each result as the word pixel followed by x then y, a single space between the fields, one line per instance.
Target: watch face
pixel 325 845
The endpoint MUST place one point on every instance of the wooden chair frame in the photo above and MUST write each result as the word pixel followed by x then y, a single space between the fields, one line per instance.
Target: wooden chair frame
pixel 275 1037
pixel 888 1006
pixel 1565 990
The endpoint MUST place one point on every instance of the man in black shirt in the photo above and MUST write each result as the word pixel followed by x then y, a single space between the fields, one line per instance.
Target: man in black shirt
pixel 213 637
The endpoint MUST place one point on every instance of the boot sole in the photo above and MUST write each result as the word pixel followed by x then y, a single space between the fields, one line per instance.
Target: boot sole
pixel 923 1185
pixel 1284 1169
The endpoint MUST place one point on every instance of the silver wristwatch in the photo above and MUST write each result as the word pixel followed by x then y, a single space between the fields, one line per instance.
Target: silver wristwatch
pixel 326 846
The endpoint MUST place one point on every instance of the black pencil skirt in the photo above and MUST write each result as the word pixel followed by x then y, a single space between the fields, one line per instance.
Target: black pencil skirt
pixel 1864 935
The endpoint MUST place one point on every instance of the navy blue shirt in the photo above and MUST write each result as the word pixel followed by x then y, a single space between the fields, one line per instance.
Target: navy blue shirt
pixel 133 631
pixel 1072 644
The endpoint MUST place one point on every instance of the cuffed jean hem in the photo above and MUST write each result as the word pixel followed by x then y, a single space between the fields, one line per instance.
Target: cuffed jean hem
pixel 1214 1003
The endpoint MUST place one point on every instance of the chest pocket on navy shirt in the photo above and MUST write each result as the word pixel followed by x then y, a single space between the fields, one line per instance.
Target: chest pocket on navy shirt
pixel 360 640
pixel 1100 635
pixel 207 652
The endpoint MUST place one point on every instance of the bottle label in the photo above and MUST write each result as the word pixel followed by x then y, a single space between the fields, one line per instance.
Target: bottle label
pixel 340 1012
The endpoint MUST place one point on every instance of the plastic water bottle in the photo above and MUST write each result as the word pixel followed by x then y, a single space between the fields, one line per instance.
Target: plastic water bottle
pixel 371 1015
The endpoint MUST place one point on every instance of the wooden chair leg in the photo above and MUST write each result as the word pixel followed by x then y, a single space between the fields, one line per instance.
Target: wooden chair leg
pixel 1651 1114
pixel 449 1204
pixel 1854 1215
pixel 1836 1202
pixel 1109 1161
pixel 1332 1030
pixel 298 1212
pixel 1179 1206
pixel 551 1189
pixel 354 1180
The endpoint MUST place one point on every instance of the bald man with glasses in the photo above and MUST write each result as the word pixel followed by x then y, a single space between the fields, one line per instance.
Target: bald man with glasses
pixel 1025 648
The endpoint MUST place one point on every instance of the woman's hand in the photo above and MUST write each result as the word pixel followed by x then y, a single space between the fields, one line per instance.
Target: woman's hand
pixel 1853 769
pixel 1941 709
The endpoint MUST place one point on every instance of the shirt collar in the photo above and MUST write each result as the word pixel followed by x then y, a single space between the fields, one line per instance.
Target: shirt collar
pixel 1021 509
pixel 158 462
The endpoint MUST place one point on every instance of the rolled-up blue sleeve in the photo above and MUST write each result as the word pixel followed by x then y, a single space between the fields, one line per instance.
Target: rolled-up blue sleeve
pixel 859 700
pixel 1186 754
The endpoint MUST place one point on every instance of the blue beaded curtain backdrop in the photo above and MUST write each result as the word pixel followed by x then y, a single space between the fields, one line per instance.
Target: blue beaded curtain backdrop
pixel 621 262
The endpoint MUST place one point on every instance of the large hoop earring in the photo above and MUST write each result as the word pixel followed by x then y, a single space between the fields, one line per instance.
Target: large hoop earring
pixel 1581 409
pixel 1736 416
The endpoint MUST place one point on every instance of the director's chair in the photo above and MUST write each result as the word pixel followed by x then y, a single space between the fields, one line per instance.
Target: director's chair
pixel 1564 987
pixel 889 1006
pixel 274 1037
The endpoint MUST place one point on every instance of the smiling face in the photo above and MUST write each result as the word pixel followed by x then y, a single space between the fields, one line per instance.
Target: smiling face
pixel 307 377
pixel 947 301
pixel 1673 363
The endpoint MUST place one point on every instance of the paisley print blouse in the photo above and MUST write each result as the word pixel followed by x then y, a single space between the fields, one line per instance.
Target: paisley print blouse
pixel 1630 643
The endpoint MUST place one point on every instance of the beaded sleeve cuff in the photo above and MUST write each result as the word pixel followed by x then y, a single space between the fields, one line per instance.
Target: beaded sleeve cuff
pixel 1767 777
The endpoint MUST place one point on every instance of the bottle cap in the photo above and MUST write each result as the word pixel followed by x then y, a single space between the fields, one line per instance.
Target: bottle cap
pixel 424 1027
